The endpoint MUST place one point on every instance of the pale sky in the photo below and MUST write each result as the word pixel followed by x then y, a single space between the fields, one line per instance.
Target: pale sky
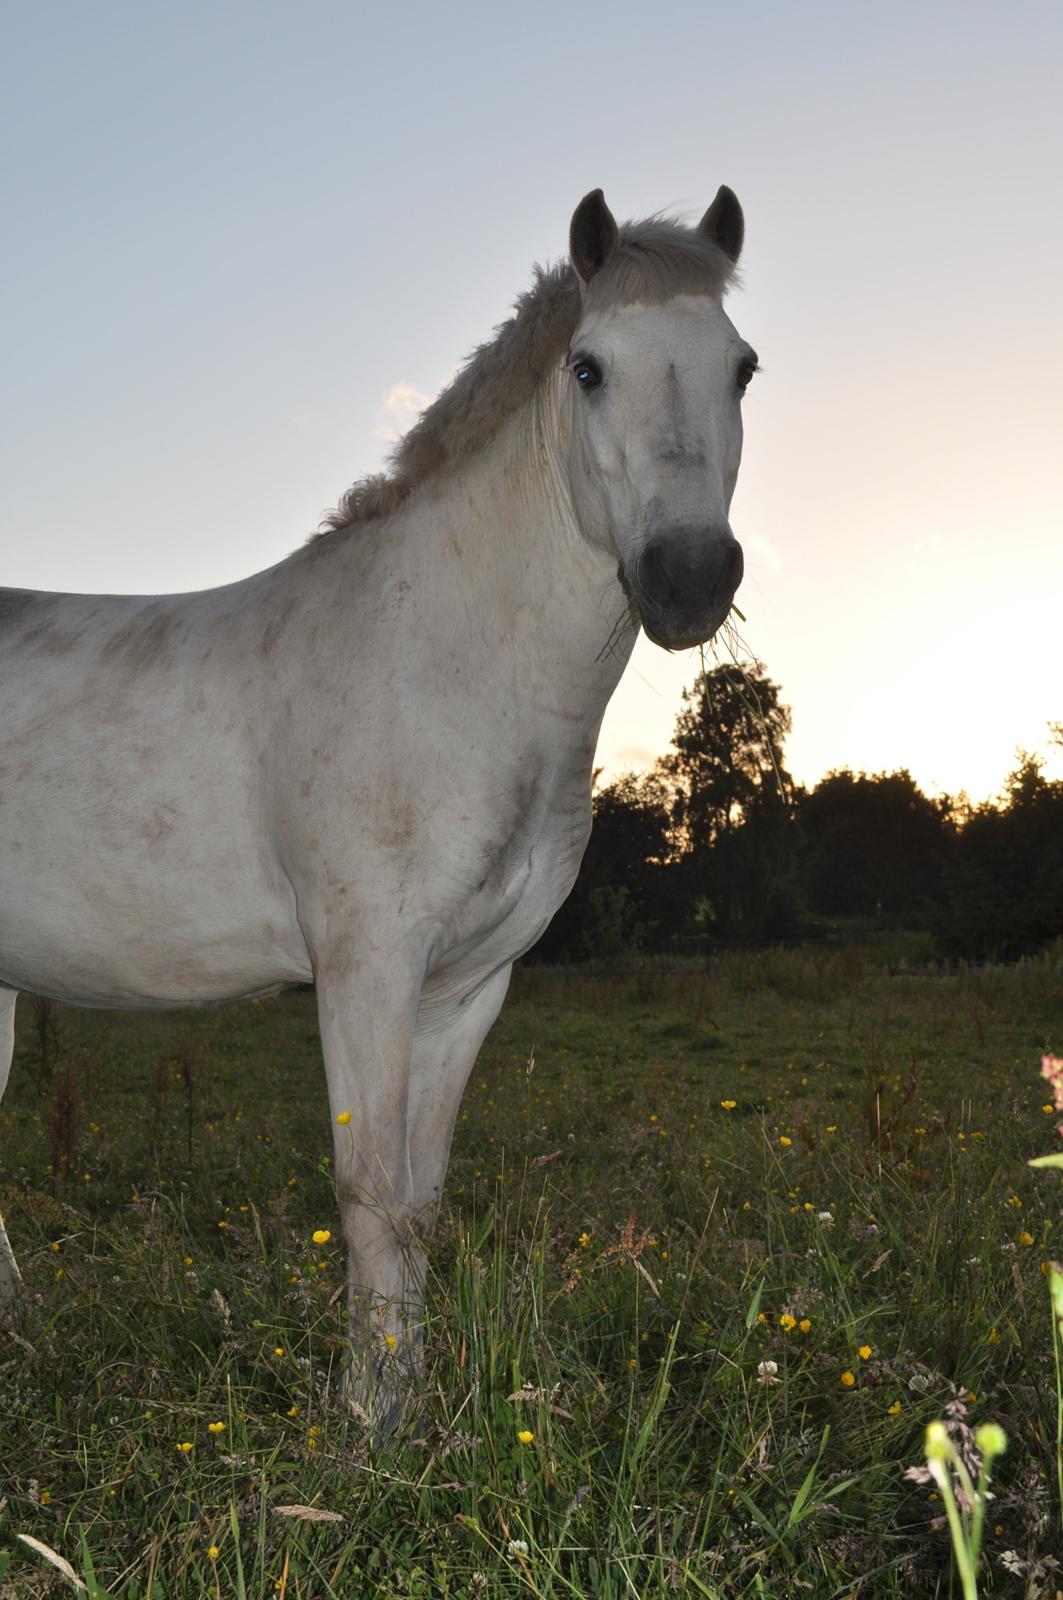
pixel 233 231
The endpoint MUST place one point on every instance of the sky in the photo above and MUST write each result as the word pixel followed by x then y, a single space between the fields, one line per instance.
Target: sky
pixel 245 240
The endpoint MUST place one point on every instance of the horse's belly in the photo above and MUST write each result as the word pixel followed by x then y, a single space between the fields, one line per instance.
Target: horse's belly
pixel 98 939
pixel 156 971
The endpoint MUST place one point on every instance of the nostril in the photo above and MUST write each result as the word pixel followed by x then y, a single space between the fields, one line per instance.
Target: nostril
pixel 660 571
pixel 731 570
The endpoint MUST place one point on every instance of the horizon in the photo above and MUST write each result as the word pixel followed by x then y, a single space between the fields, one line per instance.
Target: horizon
pixel 238 282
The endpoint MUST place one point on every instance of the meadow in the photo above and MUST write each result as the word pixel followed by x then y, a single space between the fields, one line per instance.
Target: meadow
pixel 719 1239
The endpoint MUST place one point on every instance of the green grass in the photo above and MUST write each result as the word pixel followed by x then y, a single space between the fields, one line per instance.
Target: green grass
pixel 615 1247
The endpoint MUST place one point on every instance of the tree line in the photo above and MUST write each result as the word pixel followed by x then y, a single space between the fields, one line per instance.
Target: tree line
pixel 716 845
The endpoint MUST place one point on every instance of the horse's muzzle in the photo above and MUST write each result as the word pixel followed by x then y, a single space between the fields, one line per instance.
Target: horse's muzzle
pixel 683 581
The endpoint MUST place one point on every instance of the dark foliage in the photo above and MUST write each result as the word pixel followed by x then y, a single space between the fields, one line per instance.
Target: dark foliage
pixel 1005 883
pixel 714 847
pixel 874 846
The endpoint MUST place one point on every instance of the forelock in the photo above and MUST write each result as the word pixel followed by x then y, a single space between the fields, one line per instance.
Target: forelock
pixel 656 260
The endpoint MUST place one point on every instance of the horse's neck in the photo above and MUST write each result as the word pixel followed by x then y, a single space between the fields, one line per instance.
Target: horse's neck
pixel 556 596
pixel 483 586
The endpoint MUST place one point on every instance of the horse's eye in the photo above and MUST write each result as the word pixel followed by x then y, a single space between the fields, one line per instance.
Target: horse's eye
pixel 745 373
pixel 586 372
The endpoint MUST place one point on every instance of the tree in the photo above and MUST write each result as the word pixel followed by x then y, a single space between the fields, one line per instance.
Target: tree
pixel 873 845
pixel 731 813
pixel 727 753
pixel 1006 879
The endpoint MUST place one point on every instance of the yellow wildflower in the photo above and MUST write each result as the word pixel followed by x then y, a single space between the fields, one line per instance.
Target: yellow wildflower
pixel 293 1411
pixel 786 1322
pixel 584 1240
pixel 992 1336
pixel 784 1141
pixel 525 1436
pixel 278 1349
pixel 894 1410
pixel 343 1118
pixel 832 1127
pixel 215 1427
pixel 1014 1202
pixel 1025 1238
pixel 864 1352
pixel 391 1341
pixel 184 1447
pixel 848 1380
pixel 322 1235
pixel 728 1105
pixel 213 1552
pixel 805 1324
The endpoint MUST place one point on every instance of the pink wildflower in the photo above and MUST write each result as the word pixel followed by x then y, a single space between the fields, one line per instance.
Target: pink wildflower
pixel 1052 1070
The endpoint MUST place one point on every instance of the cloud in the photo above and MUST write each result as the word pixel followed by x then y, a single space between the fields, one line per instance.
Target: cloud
pixel 400 407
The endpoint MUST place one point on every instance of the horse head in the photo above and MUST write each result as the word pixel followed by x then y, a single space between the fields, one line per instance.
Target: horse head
pixel 657 372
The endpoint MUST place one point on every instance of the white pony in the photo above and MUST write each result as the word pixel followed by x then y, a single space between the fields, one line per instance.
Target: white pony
pixel 369 766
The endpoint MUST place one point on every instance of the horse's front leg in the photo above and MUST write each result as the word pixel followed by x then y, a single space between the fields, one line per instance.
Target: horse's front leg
pixel 448 1039
pixel 366 1006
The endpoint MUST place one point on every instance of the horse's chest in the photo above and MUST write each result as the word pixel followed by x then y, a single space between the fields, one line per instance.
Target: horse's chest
pixel 526 862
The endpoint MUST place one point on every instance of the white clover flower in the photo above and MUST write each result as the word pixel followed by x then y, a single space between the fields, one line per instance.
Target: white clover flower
pixel 517 1547
pixel 826 1217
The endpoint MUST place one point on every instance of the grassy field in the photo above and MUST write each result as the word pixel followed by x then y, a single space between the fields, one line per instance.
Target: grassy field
pixel 663 1182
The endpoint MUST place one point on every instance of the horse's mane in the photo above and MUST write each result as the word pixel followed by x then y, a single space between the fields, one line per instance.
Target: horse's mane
pixel 654 260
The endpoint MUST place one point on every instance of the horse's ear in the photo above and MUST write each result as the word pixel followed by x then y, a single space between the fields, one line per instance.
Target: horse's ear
pixel 724 223
pixel 593 235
